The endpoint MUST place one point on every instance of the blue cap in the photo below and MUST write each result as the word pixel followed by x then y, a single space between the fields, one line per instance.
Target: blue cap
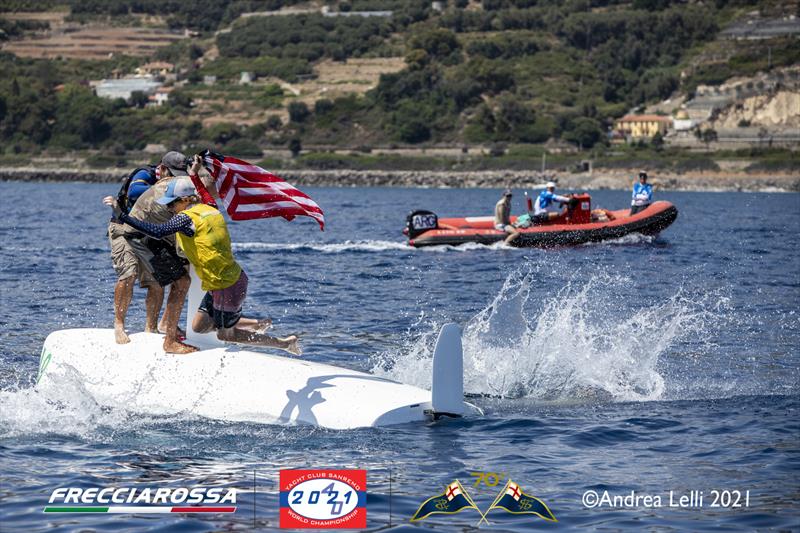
pixel 178 188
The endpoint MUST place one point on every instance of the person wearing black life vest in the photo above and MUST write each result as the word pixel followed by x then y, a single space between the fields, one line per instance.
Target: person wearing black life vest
pixel 155 262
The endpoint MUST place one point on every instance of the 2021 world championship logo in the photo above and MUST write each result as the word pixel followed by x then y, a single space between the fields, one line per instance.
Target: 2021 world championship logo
pixel 323 499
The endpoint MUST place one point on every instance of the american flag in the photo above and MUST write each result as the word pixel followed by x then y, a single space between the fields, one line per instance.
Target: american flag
pixel 248 191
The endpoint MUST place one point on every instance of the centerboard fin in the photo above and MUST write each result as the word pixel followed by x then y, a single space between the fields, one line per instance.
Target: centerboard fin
pixel 447 389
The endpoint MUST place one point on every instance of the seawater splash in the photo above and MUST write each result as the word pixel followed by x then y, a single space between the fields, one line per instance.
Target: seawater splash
pixel 373 246
pixel 629 239
pixel 356 246
pixel 583 342
pixel 327 248
pixel 63 407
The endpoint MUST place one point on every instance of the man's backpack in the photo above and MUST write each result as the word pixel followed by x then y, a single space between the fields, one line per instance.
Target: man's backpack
pixel 122 195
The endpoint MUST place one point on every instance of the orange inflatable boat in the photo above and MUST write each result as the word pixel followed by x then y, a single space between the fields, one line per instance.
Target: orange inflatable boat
pixel 577 224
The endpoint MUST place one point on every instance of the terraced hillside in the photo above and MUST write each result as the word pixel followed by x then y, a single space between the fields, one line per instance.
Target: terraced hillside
pixel 92 41
pixel 249 77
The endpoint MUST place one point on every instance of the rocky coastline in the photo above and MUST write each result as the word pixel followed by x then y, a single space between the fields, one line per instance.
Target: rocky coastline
pixel 598 179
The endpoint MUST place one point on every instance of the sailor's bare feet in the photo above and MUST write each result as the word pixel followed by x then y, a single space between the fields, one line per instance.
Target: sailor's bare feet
pixel 180 332
pixel 292 344
pixel 120 336
pixel 178 347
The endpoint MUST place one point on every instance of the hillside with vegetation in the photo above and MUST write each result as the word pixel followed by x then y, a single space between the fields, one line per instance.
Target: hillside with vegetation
pixel 511 78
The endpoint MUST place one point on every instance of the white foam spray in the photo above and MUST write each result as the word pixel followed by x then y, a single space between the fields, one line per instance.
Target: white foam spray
pixel 357 246
pixel 579 343
pixel 61 407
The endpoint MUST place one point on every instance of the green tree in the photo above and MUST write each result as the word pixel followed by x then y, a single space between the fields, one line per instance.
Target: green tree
pixel 438 43
pixel 179 99
pixel 79 112
pixel 414 131
pixel 493 77
pixel 657 141
pixel 308 37
pixel 295 146
pixel 417 59
pixel 274 122
pixel 584 131
pixel 193 129
pixel 512 119
pixel 223 132
pixel 481 127
pixel 411 122
pixel 243 147
pixel 298 111
pixel 30 109
pixel 139 99
pixel 709 136
pixel 323 106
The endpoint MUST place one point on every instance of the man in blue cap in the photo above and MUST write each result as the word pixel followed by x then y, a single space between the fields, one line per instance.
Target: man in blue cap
pixel 154 261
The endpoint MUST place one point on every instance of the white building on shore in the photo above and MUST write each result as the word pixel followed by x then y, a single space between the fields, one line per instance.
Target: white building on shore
pixel 124 87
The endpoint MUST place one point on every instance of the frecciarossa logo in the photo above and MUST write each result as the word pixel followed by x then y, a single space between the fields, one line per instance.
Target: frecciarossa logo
pixel 323 499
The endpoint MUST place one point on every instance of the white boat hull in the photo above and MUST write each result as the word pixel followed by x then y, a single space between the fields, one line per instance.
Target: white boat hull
pixel 230 383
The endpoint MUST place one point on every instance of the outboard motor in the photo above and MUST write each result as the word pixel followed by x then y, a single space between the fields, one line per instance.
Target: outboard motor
pixel 418 222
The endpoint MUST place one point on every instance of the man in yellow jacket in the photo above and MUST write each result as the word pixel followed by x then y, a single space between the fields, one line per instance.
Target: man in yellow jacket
pixel 203 235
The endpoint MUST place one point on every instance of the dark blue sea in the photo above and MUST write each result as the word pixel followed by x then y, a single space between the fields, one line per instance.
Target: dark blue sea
pixel 640 367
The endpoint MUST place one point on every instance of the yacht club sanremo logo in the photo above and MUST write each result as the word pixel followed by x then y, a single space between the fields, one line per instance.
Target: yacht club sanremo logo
pixel 510 499
pixel 323 499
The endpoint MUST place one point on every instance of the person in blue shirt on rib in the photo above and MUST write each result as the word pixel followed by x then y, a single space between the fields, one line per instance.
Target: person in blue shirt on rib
pixel 642 195
pixel 545 207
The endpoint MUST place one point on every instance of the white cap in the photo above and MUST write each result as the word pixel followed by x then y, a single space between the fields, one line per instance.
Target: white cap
pixel 550 184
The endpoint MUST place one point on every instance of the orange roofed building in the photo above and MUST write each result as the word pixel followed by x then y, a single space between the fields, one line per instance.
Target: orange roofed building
pixel 643 126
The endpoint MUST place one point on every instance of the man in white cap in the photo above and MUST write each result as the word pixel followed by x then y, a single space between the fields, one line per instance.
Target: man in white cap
pixel 133 255
pixel 502 217
pixel 544 208
pixel 203 236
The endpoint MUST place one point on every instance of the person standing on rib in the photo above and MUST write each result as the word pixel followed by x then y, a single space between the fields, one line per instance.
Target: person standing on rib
pixel 203 235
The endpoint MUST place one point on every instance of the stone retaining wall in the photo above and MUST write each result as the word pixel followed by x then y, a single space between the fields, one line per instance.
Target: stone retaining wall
pixel 599 179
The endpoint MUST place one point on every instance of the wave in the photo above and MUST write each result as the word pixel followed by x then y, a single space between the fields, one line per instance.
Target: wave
pixel 584 341
pixel 64 408
pixel 629 239
pixel 357 246
pixel 574 344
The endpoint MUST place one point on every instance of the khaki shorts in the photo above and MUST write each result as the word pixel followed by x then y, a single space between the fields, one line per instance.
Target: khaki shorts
pixel 125 259
pixel 508 228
